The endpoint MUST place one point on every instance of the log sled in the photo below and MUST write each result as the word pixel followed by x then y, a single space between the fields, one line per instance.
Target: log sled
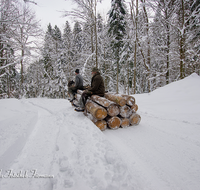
pixel 111 111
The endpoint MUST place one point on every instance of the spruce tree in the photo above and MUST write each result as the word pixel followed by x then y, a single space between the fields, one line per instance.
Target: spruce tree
pixel 117 31
pixel 67 51
pixel 47 53
pixel 77 45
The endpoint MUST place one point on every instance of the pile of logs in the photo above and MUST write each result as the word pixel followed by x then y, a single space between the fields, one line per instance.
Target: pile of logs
pixel 112 110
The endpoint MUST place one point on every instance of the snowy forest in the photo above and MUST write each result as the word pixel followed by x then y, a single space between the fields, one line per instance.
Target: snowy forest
pixel 143 45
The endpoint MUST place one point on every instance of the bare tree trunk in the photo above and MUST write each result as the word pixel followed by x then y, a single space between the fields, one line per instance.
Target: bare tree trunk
pixel 128 78
pixel 146 64
pixel 135 55
pixel 117 71
pixel 92 43
pixel 182 41
pixel 22 66
pixel 106 68
pixel 136 38
pixel 168 47
pixel 95 30
pixel 148 43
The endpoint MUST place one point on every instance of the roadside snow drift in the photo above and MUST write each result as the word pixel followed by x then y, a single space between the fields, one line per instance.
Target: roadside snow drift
pixel 46 145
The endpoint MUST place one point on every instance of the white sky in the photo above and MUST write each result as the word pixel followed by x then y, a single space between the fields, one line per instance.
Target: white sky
pixel 48 11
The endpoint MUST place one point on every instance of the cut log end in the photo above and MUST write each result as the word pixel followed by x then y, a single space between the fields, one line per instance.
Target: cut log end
pixel 125 111
pixel 114 122
pixel 101 124
pixel 100 113
pixel 134 107
pixel 122 102
pixel 125 122
pixel 130 100
pixel 113 110
pixel 135 119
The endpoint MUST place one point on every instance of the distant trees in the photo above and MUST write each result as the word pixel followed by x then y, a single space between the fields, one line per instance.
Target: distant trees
pixel 163 46
pixel 51 68
pixel 7 64
pixel 142 46
pixel 17 26
pixel 68 50
pixel 27 28
pixel 172 26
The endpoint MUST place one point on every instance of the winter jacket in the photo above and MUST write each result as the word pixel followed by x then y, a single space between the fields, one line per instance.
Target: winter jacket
pixel 97 85
pixel 78 82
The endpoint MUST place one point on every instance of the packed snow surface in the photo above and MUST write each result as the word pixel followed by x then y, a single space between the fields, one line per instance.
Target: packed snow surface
pixel 46 145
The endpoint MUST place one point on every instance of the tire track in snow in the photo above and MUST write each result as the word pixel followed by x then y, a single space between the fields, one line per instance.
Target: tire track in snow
pixel 15 131
pixel 16 147
pixel 38 152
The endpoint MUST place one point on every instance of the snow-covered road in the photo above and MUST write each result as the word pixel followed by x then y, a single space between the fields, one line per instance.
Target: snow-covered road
pixel 161 154
pixel 45 145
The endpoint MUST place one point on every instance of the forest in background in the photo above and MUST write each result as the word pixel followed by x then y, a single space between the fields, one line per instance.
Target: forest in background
pixel 144 44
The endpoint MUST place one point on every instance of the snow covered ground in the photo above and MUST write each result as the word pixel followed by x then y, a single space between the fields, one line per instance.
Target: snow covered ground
pixel 45 145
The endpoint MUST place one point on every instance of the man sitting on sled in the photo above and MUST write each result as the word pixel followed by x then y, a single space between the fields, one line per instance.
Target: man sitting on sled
pixel 78 85
pixel 97 88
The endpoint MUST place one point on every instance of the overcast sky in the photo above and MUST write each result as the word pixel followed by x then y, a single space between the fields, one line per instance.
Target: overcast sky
pixel 48 11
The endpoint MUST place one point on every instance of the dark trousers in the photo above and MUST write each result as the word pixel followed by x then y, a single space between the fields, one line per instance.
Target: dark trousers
pixel 72 90
pixel 84 98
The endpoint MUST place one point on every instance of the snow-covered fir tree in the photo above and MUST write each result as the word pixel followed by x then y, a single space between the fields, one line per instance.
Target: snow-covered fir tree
pixel 117 31
pixel 67 50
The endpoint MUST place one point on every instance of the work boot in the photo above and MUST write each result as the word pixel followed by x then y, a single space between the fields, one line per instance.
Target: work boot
pixel 79 109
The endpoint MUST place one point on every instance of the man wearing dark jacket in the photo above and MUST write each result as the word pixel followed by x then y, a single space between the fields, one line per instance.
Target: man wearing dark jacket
pixel 97 88
pixel 78 85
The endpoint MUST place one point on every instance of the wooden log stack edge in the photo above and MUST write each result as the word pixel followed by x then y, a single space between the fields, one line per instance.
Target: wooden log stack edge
pixel 96 110
pixel 112 110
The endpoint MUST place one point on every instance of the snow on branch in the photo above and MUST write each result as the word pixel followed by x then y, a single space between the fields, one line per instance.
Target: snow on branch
pixel 5 66
pixel 28 1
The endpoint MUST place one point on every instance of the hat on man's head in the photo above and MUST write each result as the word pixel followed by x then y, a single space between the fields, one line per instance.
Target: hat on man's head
pixel 95 69
pixel 77 71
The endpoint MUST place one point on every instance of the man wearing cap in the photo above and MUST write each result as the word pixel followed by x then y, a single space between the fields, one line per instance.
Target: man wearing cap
pixel 97 88
pixel 78 85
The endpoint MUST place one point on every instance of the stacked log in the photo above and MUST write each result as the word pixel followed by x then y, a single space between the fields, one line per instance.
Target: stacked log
pixel 97 111
pixel 135 119
pixel 134 108
pixel 112 110
pixel 125 111
pixel 116 98
pixel 125 122
pixel 113 122
pixel 101 124
pixel 130 100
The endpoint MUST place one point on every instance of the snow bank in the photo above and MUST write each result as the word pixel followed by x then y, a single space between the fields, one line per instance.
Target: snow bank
pixel 178 100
